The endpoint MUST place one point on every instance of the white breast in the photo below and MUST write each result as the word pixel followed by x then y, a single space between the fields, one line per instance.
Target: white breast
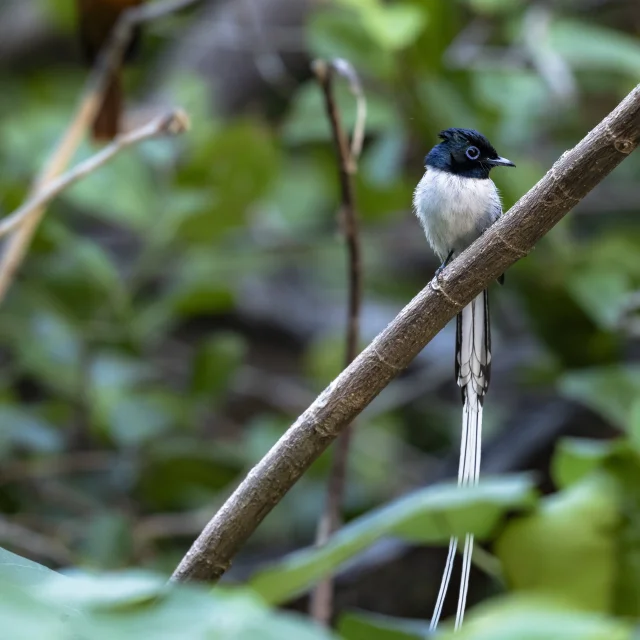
pixel 454 210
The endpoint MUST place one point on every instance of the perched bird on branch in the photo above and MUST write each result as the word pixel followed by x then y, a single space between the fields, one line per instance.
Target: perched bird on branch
pixel 96 20
pixel 456 202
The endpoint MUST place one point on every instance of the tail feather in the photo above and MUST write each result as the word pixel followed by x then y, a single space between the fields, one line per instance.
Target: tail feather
pixel 473 369
pixel 472 416
pixel 464 579
pixel 444 584
pixel 106 126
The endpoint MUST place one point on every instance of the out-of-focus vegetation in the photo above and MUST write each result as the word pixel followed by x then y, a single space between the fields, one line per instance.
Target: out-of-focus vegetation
pixel 180 307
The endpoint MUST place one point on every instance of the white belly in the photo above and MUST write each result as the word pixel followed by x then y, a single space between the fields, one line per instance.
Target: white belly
pixel 454 211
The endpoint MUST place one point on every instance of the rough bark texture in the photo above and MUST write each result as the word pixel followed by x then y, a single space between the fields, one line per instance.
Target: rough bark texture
pixel 574 174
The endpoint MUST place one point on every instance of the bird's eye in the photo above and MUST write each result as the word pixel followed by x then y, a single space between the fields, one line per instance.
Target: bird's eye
pixel 473 153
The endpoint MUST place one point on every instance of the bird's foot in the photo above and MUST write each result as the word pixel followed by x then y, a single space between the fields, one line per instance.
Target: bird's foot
pixel 447 260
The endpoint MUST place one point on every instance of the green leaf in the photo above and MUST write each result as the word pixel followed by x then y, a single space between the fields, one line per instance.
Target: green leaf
pixel 183 473
pixel 134 418
pixel 611 390
pixel 624 466
pixel 324 358
pixel 339 34
pixel 238 165
pixel 104 591
pixel 428 516
pixel 575 458
pixel 193 614
pixel 300 198
pixel 608 50
pixel 621 461
pixel 115 372
pixel 366 32
pixel 603 293
pixel 22 427
pixel 492 7
pixel 200 285
pixel 394 26
pixel 532 618
pixel 61 12
pixel 122 192
pixel 616 249
pixel 374 626
pixel 307 121
pixel 133 604
pixel 52 349
pixel 23 617
pixel 446 103
pixel 382 164
pixel 519 100
pixel 36 602
pixel 215 363
pixel 567 549
pixel 377 200
pixel 19 571
pixel 82 276
pixel 107 540
pixel 634 425
pixel 125 404
pixel 43 125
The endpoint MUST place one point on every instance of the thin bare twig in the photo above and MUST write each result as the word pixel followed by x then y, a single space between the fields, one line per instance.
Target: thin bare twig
pixel 170 124
pixel 321 605
pixel 346 70
pixel 573 175
pixel 92 97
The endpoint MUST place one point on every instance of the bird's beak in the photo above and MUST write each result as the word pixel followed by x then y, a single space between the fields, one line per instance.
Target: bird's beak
pixel 500 162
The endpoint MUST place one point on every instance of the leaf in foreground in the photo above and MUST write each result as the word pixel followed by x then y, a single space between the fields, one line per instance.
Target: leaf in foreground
pixel 519 618
pixel 431 515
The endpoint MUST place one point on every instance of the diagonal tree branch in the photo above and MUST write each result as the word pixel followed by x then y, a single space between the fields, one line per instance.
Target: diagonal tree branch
pixel 573 175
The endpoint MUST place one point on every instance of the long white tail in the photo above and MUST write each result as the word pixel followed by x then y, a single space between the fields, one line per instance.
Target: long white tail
pixel 473 367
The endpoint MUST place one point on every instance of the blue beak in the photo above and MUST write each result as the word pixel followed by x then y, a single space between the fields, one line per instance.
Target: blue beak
pixel 500 162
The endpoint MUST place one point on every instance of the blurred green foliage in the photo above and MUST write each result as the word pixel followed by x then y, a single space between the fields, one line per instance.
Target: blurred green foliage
pixel 126 341
pixel 432 515
pixel 41 604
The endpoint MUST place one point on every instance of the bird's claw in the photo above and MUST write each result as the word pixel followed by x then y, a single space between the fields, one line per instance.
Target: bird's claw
pixel 444 264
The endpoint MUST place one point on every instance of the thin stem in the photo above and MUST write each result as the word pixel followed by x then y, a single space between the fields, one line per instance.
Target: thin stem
pixel 321 606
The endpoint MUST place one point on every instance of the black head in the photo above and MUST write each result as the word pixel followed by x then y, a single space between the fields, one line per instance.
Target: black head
pixel 466 153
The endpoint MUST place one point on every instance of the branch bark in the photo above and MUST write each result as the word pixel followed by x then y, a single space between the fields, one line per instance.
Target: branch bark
pixel 573 175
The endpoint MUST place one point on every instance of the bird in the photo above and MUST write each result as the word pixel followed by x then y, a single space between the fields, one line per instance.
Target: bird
pixel 455 202
pixel 96 20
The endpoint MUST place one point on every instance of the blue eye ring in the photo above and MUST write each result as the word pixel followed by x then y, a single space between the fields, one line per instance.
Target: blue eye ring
pixel 473 153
